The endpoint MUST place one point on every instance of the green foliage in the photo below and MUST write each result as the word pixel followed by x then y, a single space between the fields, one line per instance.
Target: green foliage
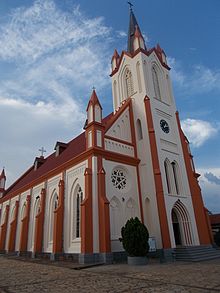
pixel 135 238
pixel 217 238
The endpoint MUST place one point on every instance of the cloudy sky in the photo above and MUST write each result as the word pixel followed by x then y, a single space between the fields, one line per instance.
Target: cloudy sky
pixel 52 52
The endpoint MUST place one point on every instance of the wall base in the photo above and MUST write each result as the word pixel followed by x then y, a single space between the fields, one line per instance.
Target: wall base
pixel 166 255
pixel 86 258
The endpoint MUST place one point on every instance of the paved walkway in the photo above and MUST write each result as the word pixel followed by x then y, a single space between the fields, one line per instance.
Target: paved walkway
pixel 17 275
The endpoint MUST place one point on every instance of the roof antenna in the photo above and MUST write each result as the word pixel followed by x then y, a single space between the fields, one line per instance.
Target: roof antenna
pixel 130 4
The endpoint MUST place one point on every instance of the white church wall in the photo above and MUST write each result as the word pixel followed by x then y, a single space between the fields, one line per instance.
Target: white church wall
pixel 22 201
pixel 124 201
pixel 35 200
pixel 121 128
pixel 119 147
pixel 51 192
pixel 95 212
pixel 74 178
pixel 187 201
pixel 3 211
pixel 10 218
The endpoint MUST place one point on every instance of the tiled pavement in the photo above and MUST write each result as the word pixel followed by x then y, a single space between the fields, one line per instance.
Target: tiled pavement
pixel 17 275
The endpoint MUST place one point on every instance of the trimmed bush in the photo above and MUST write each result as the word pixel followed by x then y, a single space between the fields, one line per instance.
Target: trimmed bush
pixel 135 238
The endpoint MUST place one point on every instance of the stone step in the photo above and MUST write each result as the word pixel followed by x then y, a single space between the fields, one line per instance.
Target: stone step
pixel 195 253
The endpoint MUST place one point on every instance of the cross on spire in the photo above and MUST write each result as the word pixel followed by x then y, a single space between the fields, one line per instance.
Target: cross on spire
pixel 130 4
pixel 42 150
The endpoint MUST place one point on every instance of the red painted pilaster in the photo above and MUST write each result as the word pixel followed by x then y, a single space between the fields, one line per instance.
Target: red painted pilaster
pixel 13 227
pixel 86 215
pixel 39 224
pixel 104 219
pixel 25 226
pixel 157 178
pixel 4 229
pixel 58 221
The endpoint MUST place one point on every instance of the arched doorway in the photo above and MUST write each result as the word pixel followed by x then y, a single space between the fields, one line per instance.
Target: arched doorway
pixel 176 228
pixel 181 225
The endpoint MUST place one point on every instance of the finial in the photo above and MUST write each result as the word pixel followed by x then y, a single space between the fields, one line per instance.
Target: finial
pixel 93 88
pixel 42 150
pixel 130 4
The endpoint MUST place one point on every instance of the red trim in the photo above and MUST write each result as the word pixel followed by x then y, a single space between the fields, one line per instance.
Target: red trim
pixel 13 227
pixel 39 224
pixel 4 229
pixel 104 217
pixel 58 221
pixel 132 55
pixel 25 226
pixel 157 178
pixel 86 213
pixel 203 226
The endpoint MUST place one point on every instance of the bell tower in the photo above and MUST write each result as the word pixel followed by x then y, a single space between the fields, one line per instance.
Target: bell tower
pixel 142 74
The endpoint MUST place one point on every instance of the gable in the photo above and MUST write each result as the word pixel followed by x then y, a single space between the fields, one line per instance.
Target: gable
pixel 121 128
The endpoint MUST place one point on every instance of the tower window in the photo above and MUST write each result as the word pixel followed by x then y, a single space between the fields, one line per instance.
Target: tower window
pixel 156 83
pixel 139 130
pixel 167 173
pixel 129 83
pixel 175 174
pixel 79 198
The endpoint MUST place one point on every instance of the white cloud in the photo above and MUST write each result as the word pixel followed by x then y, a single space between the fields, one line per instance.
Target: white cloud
pixel 199 80
pixel 53 58
pixel 121 34
pixel 198 131
pixel 210 190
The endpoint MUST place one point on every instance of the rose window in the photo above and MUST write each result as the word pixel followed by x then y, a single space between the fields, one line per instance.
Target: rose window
pixel 119 179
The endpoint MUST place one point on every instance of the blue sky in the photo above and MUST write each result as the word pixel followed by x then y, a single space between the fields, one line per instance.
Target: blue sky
pixel 53 52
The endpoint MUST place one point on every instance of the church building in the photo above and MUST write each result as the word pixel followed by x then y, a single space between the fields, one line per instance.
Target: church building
pixel 136 162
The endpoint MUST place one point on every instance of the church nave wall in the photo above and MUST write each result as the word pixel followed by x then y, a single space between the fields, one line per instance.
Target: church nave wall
pixel 122 193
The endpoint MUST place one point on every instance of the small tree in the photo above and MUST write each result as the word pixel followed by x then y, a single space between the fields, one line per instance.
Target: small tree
pixel 135 238
pixel 217 238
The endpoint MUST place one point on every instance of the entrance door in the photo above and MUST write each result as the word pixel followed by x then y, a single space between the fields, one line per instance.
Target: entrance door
pixel 176 229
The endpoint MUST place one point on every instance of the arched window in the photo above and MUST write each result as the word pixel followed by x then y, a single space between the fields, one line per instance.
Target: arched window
pixel 139 77
pixel 168 175
pixel 79 198
pixel 35 213
pixel 129 83
pixel 139 129
pixel 53 207
pixel 176 177
pixel 23 211
pixel 116 102
pixel 156 83
pixel 115 218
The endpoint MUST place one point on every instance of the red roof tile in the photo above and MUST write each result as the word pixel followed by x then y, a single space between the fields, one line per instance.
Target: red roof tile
pixel 74 148
pixel 215 219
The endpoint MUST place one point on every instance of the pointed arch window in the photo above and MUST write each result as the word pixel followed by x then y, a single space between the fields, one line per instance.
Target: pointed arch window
pixel 176 177
pixel 53 207
pixel 167 174
pixel 129 83
pixel 139 130
pixel 156 82
pixel 79 198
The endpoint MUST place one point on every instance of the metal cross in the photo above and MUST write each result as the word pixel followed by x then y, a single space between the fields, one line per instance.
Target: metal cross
pixel 130 4
pixel 42 150
pixel 93 88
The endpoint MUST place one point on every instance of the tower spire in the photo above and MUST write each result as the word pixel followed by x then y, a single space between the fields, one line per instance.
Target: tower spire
pixel 133 25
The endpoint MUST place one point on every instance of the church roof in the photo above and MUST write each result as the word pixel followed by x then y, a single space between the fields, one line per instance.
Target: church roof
pixel 74 148
pixel 133 24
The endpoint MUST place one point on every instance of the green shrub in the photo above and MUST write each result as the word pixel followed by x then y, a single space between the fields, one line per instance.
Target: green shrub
pixel 217 238
pixel 135 238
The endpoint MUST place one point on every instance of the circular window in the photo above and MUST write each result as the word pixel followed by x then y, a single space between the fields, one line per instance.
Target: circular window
pixel 119 179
